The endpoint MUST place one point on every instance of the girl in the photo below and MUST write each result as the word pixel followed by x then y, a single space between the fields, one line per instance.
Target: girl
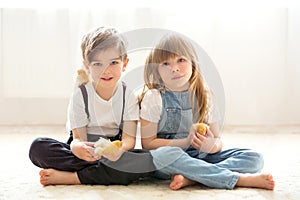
pixel 175 97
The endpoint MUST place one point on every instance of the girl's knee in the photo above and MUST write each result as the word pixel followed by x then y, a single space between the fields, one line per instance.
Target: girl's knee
pixel 169 149
pixel 257 161
pixel 260 161
pixel 166 151
pixel 165 156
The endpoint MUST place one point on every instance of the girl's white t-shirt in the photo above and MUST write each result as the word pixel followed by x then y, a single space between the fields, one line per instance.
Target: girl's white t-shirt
pixel 105 116
pixel 151 108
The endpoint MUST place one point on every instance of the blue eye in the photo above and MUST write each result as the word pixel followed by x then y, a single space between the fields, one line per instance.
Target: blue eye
pixel 114 62
pixel 97 64
pixel 164 64
pixel 181 60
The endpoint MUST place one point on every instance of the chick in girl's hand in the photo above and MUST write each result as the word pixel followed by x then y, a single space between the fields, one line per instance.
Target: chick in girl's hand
pixel 200 128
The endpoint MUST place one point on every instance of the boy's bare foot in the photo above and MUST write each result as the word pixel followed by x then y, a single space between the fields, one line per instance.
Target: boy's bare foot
pixel 56 177
pixel 263 181
pixel 179 181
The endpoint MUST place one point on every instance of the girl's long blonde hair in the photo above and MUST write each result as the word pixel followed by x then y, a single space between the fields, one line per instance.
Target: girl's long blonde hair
pixel 170 46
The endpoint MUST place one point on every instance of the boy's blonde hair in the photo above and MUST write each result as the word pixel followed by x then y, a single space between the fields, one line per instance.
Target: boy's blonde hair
pixel 170 46
pixel 100 39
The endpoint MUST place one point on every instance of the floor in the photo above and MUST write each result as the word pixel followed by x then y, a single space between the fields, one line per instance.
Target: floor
pixel 279 144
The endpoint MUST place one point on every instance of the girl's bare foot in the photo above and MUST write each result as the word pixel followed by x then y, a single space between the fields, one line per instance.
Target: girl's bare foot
pixel 263 181
pixel 179 181
pixel 56 177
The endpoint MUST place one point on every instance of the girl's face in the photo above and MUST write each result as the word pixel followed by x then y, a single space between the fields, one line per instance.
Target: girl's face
pixel 106 68
pixel 176 73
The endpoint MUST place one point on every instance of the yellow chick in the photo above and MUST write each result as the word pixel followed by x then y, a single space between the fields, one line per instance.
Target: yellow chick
pixel 200 128
pixel 106 146
pixel 117 143
pixel 82 77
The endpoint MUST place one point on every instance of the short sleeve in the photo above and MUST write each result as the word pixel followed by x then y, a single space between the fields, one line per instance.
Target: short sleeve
pixel 131 109
pixel 77 116
pixel 151 106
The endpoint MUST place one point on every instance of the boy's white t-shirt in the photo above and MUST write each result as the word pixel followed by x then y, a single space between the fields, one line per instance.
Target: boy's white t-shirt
pixel 105 116
pixel 151 108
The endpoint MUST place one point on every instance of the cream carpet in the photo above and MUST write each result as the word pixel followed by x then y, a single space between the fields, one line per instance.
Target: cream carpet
pixel 280 145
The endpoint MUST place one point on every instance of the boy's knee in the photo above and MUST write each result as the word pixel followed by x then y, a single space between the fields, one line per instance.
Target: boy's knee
pixel 36 147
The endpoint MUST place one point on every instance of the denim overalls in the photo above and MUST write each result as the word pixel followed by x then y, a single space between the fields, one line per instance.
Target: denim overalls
pixel 217 170
pixel 177 118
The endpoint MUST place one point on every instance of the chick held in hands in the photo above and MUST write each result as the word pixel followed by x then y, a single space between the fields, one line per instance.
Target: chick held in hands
pixel 200 128
pixel 104 146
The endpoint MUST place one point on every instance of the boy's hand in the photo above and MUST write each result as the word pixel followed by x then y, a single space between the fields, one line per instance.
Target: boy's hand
pixel 113 156
pixel 84 151
pixel 110 150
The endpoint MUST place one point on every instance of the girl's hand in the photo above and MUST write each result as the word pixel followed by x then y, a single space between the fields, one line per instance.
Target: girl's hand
pixel 84 151
pixel 204 143
pixel 191 137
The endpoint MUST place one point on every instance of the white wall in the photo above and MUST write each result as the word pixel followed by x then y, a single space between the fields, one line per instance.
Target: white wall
pixel 251 54
pixel 292 98
pixel 254 49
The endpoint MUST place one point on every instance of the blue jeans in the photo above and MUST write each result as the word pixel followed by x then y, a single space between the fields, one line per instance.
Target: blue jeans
pixel 219 170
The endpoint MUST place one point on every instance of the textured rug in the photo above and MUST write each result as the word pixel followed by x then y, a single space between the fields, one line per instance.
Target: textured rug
pixel 19 178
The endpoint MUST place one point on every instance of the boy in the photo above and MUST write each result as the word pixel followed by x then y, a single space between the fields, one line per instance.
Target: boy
pixel 96 109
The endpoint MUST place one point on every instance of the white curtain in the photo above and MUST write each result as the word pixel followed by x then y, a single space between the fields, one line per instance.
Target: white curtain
pixel 255 51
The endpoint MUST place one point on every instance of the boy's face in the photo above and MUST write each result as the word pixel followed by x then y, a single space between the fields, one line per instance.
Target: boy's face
pixel 106 68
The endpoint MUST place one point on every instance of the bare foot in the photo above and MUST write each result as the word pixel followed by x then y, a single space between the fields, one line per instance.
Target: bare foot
pixel 56 177
pixel 263 181
pixel 179 181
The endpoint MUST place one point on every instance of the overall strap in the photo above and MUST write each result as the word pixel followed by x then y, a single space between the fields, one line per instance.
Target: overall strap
pixel 119 136
pixel 124 91
pixel 85 99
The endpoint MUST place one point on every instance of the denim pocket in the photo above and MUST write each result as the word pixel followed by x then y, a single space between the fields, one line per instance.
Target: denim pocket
pixel 173 119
